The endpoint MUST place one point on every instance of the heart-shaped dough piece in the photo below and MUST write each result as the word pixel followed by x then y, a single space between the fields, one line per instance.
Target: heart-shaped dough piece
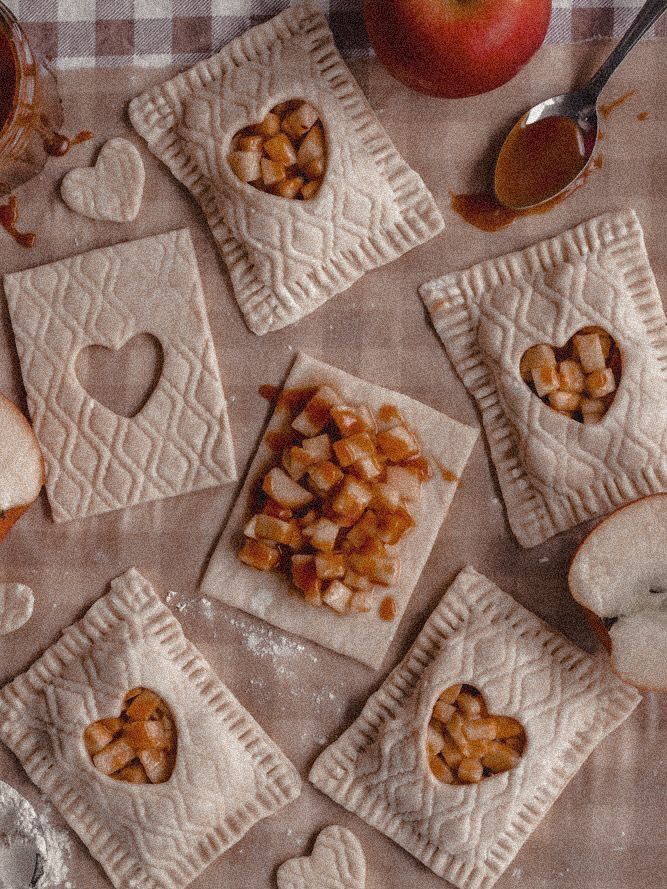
pixel 337 862
pixel 112 189
pixel 579 379
pixel 285 154
pixel 16 603
pixel 139 745
pixel 465 743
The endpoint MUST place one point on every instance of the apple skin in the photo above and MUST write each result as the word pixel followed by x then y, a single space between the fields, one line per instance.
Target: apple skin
pixel 456 48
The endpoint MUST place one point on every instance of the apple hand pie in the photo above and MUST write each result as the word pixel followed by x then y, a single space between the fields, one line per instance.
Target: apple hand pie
pixel 301 186
pixel 470 740
pixel 564 346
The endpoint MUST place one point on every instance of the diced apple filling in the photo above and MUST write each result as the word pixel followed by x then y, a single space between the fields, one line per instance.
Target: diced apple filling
pixel 139 746
pixel 284 154
pixel 579 379
pixel 340 499
pixel 465 744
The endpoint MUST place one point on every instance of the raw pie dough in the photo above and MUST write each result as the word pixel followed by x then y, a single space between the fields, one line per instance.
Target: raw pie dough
pixel 112 189
pixel 567 702
pixel 228 773
pixel 365 637
pixel 180 441
pixel 286 258
pixel 555 472
pixel 337 862
pixel 16 604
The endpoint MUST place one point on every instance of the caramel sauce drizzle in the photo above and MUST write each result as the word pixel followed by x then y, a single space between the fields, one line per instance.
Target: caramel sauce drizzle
pixel 9 217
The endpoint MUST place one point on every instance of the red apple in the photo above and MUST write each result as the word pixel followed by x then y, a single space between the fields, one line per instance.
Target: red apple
pixel 21 465
pixel 456 48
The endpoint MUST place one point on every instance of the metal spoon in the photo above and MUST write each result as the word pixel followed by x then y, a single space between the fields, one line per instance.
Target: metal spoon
pixel 581 105
pixel 11 817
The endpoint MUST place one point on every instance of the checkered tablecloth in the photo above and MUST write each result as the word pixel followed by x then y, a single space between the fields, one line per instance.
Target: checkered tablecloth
pixel 114 33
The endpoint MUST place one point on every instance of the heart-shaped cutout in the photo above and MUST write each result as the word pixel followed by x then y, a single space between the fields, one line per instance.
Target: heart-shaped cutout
pixel 285 154
pixel 337 862
pixel 112 189
pixel 466 744
pixel 122 379
pixel 139 745
pixel 579 379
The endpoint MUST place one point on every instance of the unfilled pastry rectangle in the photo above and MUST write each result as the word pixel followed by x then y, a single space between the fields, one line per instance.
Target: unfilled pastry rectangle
pixel 555 472
pixel 286 257
pixel 228 773
pixel 266 594
pixel 180 441
pixel 567 702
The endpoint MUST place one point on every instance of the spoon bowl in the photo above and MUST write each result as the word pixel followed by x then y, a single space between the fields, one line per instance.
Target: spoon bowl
pixel 552 144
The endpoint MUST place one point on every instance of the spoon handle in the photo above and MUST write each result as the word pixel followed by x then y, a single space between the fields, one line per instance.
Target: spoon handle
pixel 650 11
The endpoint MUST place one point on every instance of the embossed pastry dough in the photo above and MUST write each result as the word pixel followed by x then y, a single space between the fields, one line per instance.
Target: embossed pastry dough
pixel 365 637
pixel 16 604
pixel 180 441
pixel 228 773
pixel 554 472
pixel 112 189
pixel 286 258
pixel 337 862
pixel 567 702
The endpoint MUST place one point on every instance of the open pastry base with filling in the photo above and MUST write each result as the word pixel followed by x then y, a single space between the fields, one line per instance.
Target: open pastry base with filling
pixel 412 457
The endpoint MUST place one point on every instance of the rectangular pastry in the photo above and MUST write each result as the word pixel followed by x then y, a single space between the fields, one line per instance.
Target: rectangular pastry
pixel 180 441
pixel 301 186
pixel 564 347
pixel 151 760
pixel 339 511
pixel 462 751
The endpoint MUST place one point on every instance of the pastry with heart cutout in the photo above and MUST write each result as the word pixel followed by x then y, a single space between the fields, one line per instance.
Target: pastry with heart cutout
pixel 112 190
pixel 16 605
pixel 479 653
pixel 22 472
pixel 578 380
pixel 579 318
pixel 284 154
pixel 139 746
pixel 337 862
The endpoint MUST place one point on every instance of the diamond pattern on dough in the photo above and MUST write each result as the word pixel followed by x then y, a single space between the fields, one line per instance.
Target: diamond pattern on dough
pixel 337 862
pixel 554 472
pixel 567 701
pixel 110 190
pixel 180 441
pixel 286 258
pixel 228 773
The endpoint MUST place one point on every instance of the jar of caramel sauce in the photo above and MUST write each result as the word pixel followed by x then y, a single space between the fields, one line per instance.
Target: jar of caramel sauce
pixel 30 109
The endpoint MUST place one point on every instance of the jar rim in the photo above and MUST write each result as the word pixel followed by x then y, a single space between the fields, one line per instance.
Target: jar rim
pixel 23 57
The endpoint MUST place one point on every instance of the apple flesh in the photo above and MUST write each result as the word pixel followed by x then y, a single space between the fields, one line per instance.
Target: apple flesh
pixel 456 48
pixel 21 466
pixel 619 576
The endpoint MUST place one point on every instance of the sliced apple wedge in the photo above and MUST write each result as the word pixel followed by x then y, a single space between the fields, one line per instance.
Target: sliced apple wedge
pixel 619 576
pixel 21 465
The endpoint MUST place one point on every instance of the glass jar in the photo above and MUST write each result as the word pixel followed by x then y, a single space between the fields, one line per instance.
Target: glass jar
pixel 30 109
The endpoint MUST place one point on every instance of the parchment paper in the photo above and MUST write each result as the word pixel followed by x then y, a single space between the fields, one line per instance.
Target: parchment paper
pixel 607 829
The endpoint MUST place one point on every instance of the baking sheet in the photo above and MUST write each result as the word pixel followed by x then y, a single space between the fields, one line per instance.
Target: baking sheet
pixel 606 831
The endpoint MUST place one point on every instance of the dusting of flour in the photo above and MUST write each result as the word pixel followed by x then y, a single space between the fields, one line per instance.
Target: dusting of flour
pixel 23 836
